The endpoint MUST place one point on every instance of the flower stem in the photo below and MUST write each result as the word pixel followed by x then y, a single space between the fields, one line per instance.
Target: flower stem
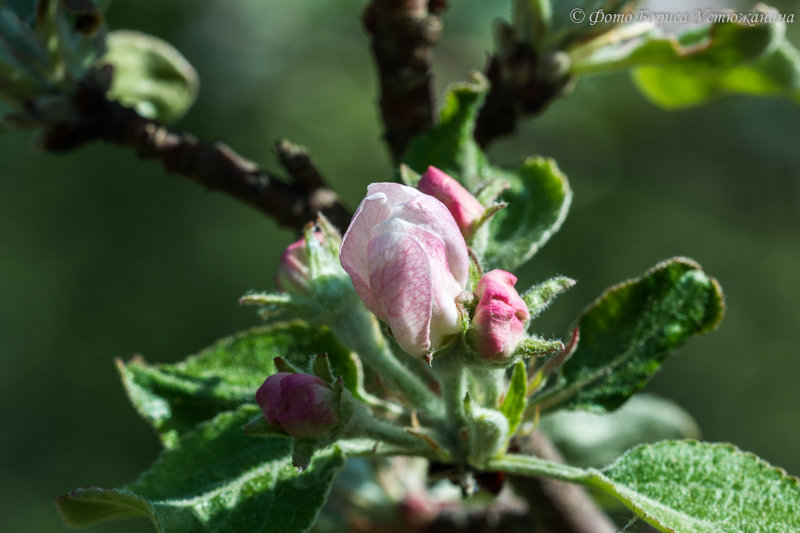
pixel 359 330
pixel 452 373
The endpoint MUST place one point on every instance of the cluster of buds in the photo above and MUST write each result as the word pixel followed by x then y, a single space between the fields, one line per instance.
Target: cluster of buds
pixel 406 257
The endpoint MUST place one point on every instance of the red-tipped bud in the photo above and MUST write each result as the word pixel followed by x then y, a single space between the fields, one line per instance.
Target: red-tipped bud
pixel 500 316
pixel 302 405
pixel 464 207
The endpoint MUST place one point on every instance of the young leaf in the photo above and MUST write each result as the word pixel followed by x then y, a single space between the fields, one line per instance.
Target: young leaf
pixel 703 488
pixel 216 480
pixel 776 73
pixel 173 398
pixel 537 192
pixel 516 399
pixel 150 75
pixel 740 56
pixel 538 200
pixel 630 330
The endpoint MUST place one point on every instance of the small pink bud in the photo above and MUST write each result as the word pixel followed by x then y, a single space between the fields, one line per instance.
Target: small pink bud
pixel 302 405
pixel 464 207
pixel 408 262
pixel 293 274
pixel 500 316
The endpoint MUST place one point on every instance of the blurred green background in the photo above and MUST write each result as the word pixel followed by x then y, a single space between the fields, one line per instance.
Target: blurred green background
pixel 104 256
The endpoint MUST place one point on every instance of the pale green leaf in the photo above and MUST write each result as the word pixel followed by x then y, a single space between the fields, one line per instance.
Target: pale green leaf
pixel 150 75
pixel 689 486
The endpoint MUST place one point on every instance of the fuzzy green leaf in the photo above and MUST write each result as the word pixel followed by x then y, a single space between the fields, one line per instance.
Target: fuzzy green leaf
pixel 685 486
pixel 679 486
pixel 150 75
pixel 596 439
pixel 538 200
pixel 216 480
pixel 630 330
pixel 537 193
pixel 173 398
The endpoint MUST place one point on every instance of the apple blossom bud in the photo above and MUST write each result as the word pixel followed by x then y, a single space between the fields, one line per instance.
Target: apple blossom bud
pixel 302 405
pixel 464 207
pixel 500 316
pixel 293 274
pixel 408 262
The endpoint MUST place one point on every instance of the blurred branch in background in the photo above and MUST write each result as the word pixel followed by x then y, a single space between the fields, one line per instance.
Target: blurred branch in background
pixel 404 33
pixel 214 165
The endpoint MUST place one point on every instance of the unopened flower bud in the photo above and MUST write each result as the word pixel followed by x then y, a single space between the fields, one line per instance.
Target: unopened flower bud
pixel 408 262
pixel 464 207
pixel 500 316
pixel 293 274
pixel 302 405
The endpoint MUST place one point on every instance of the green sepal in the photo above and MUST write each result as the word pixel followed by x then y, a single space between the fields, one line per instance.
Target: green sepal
pixel 259 427
pixel 150 75
pixel 540 296
pixel 533 346
pixel 630 330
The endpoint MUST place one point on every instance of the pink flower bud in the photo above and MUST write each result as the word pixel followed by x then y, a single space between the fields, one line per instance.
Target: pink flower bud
pixel 500 316
pixel 302 405
pixel 464 207
pixel 408 261
pixel 293 274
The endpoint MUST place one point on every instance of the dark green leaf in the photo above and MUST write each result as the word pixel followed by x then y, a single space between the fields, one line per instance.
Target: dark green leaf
pixel 216 480
pixel 596 439
pixel 630 330
pixel 91 505
pixel 679 486
pixel 536 191
pixel 173 398
pixel 150 75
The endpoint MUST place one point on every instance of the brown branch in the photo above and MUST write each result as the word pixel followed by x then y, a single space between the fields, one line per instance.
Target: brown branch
pixel 404 33
pixel 557 505
pixel 522 83
pixel 213 165
pixel 552 506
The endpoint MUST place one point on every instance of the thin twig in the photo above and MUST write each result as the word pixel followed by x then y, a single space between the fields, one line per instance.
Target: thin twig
pixel 404 33
pixel 213 165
